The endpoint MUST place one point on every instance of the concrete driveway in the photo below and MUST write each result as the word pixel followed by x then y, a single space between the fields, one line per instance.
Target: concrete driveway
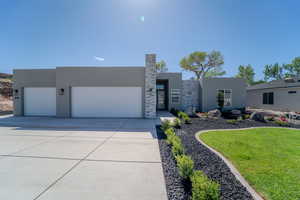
pixel 111 159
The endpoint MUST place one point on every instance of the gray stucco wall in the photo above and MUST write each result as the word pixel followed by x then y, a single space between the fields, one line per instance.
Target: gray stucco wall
pixel 211 85
pixel 174 82
pixel 30 78
pixel 283 101
pixel 67 77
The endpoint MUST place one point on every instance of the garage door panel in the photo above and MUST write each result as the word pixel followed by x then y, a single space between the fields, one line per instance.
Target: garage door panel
pixel 106 102
pixel 39 101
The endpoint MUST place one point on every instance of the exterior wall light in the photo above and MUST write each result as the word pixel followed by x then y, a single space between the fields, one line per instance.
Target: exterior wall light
pixel 61 91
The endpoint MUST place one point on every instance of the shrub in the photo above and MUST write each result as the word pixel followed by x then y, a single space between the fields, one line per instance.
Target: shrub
pixel 271 118
pixel 185 166
pixel 181 114
pixel 281 123
pixel 171 136
pixel 166 124
pixel 246 116
pixel 187 120
pixel 232 121
pixel 177 148
pixel 203 188
pixel 177 123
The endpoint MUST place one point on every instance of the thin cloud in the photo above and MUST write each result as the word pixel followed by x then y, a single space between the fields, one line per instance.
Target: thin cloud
pixel 98 58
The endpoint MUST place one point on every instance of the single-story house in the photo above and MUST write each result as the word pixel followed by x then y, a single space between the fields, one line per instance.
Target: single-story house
pixel 135 92
pixel 278 95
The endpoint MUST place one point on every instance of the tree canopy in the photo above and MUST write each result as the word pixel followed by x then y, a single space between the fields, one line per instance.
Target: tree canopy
pixel 161 66
pixel 293 69
pixel 274 72
pixel 246 72
pixel 204 64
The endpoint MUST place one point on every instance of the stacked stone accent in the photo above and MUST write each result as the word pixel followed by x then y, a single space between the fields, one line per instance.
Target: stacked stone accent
pixel 190 95
pixel 150 86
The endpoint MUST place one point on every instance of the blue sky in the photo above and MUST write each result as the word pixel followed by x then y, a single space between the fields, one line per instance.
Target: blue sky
pixel 49 33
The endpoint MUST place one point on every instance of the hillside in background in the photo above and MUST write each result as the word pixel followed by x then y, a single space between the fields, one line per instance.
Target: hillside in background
pixel 6 92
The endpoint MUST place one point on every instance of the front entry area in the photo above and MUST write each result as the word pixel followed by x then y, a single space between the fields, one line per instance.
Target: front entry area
pixel 162 94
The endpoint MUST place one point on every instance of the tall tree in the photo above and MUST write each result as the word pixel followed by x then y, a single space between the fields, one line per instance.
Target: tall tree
pixel 204 64
pixel 246 72
pixel 293 69
pixel 273 72
pixel 161 66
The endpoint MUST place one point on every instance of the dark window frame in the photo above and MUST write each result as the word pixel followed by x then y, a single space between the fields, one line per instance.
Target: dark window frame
pixel 292 92
pixel 268 98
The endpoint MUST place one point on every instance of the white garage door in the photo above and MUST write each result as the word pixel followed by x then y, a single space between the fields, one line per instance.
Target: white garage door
pixel 40 101
pixel 107 102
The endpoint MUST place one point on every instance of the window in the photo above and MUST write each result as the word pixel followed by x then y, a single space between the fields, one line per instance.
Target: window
pixel 292 92
pixel 226 96
pixel 268 98
pixel 175 96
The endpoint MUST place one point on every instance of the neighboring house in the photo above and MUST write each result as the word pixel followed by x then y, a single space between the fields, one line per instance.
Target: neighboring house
pixel 278 95
pixel 117 91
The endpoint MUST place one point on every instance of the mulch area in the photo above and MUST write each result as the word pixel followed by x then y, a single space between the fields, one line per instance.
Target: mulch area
pixel 205 160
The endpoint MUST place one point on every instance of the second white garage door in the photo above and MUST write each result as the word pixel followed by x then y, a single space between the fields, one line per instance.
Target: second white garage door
pixel 106 101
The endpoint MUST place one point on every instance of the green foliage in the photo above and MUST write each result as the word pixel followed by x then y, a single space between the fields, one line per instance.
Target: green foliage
pixel 177 148
pixel 171 136
pixel 246 72
pixel 203 64
pixel 281 123
pixel 258 82
pixel 161 66
pixel 177 123
pixel 270 118
pixel 293 69
pixel 246 116
pixel 273 72
pixel 185 118
pixel 185 166
pixel 232 121
pixel 166 124
pixel 203 188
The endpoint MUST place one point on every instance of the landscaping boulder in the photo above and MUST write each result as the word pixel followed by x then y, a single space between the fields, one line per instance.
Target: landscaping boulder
pixel 236 112
pixel 214 113
pixel 256 116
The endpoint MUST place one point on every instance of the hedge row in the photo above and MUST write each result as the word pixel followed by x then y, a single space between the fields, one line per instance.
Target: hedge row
pixel 202 187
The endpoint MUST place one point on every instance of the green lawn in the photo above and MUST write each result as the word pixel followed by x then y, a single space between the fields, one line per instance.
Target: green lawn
pixel 268 158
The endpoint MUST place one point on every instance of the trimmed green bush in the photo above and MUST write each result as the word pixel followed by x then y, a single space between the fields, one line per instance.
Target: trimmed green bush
pixel 270 118
pixel 203 188
pixel 232 121
pixel 187 120
pixel 177 148
pixel 166 124
pixel 181 114
pixel 281 123
pixel 185 166
pixel 246 116
pixel 177 123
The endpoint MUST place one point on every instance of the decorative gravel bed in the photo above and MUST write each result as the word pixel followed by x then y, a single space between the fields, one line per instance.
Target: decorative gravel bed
pixel 174 183
pixel 205 160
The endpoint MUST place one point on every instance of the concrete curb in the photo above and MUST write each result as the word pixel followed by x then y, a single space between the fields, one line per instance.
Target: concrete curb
pixel 232 168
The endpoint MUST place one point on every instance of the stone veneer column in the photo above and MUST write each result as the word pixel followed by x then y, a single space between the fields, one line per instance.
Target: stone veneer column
pixel 150 86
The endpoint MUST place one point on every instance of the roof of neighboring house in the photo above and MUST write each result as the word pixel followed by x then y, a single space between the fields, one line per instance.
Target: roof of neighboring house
pixel 285 83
